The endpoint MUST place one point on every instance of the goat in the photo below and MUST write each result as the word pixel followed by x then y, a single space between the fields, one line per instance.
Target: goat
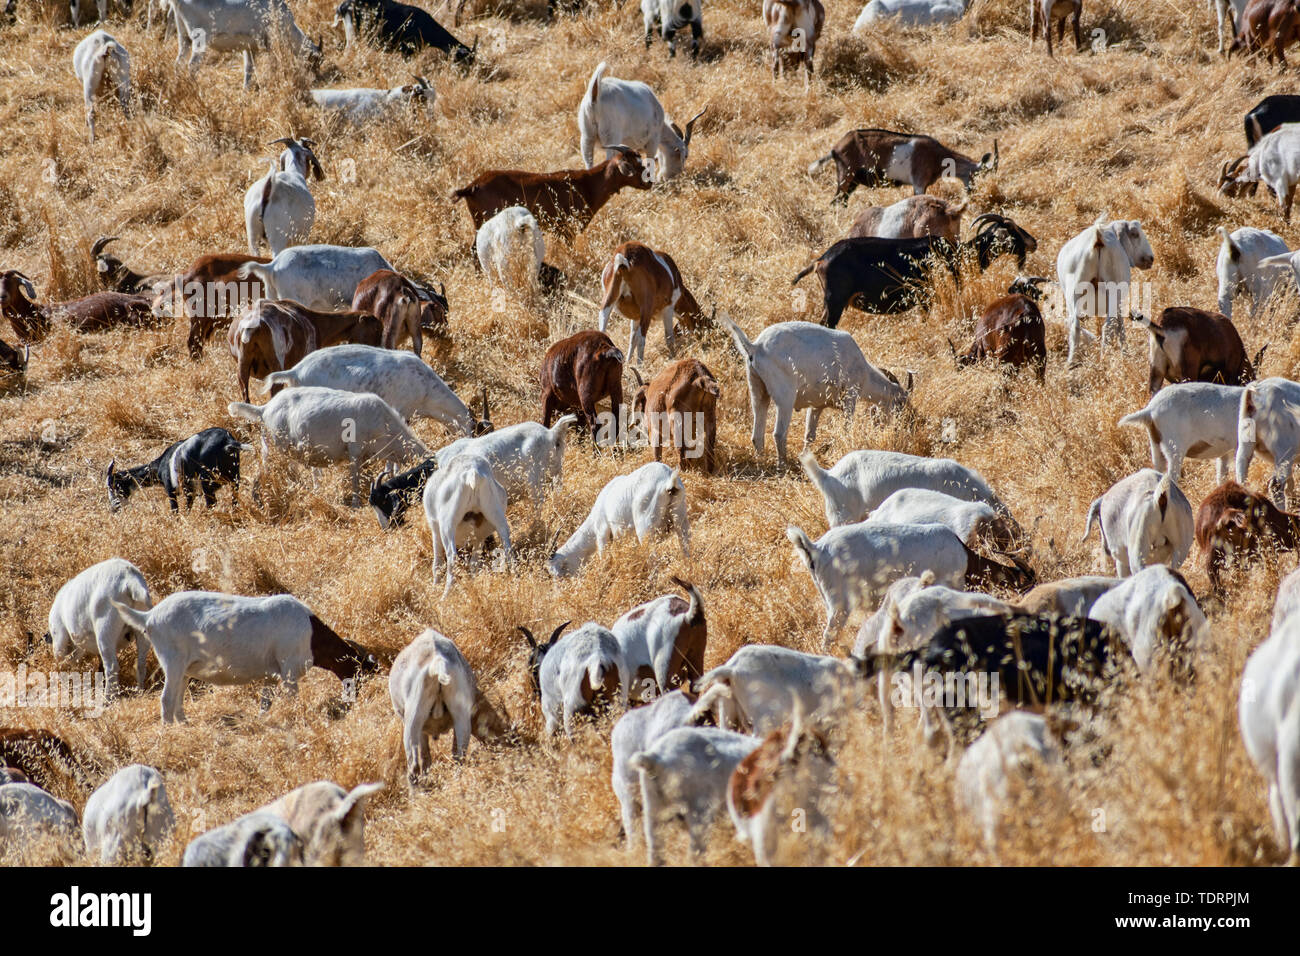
pixel 102 65
pixel 580 673
pixel 672 16
pixel 1094 269
pixel 97 312
pixel 1193 345
pixel 464 504
pixel 794 27
pixel 316 277
pixel 13 367
pixel 36 827
pixel 279 209
pixel 1011 330
pixel 1155 613
pixel 210 293
pixel 116 276
pixel 1234 522
pixel 1191 420
pixel 1274 160
pixel 914 608
pixel 1287 601
pixel 1267 425
pixel 128 818
pixel 231 639
pixel 889 276
pixel 1069 597
pixel 1049 13
pixel 882 157
pixel 510 246
pixel 627 112
pixel 1270 112
pixel 762 686
pixel 255 839
pixel 664 640
pixel 1266 712
pixel 797 365
pixel 396 301
pixel 909 13
pixel 399 27
pixel 210 457
pixel 634 732
pixel 972 521
pixel 238 26
pixel 1231 12
pixel 1239 270
pixel 362 106
pixel 682 392
pixel 1018 747
pixel 329 820
pixel 1144 519
pixel 579 371
pixel 648 501
pixel 642 283
pixel 910 218
pixel 1267 25
pixel 83 623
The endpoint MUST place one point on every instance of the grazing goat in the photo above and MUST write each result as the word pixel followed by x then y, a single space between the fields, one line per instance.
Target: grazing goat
pixel 1270 112
pixel 279 209
pixel 83 622
pixel 401 379
pixel 210 457
pixel 852 565
pixel 97 312
pixel 975 522
pixel 649 501
pixel 255 839
pixel 672 16
pixel 1053 13
pixel 1069 597
pixel 797 365
pixel 861 481
pixel 1267 25
pixel 913 610
pixel 433 690
pixel 564 201
pixel 13 367
pixel 909 13
pixel 238 26
pixel 1191 420
pixel 277 334
pixel 889 276
pixel 37 828
pixel 116 276
pixel 464 504
pixel 1274 161
pixel 1094 269
pixel 362 106
pixel 582 672
pixel 634 732
pixel 1268 424
pixel 1235 522
pixel 793 27
pixel 1238 266
pixel 1011 331
pixel 230 639
pixel 663 641
pixel 1267 713
pixel 1144 519
pixel 1156 614
pixel 397 303
pixel 510 247
pixel 578 372
pixel 1231 11
pixel 210 294
pixel 128 818
pixel 102 65
pixel 330 821
pixel 910 218
pixel 1015 751
pixel 628 113
pixel 762 686
pixel 642 283
pixel 1193 345
pixel 316 277
pixel 882 157
pixel 399 27
pixel 323 426
pixel 682 392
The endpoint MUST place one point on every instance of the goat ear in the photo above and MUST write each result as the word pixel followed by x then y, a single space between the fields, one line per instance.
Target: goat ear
pixel 350 811
pixel 27 286
pixel 1259 357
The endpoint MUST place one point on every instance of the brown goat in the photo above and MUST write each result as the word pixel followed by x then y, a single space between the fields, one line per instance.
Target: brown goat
pixel 563 201
pixel 1234 521
pixel 1010 331
pixel 394 300
pixel 98 312
pixel 1193 345
pixel 1049 13
pixel 578 372
pixel 44 757
pixel 910 218
pixel 881 157
pixel 13 367
pixel 641 283
pixel 210 295
pixel 1269 26
pixel 685 390
pixel 276 334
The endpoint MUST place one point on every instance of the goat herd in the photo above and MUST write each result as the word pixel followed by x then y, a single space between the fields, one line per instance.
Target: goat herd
pixel 913 541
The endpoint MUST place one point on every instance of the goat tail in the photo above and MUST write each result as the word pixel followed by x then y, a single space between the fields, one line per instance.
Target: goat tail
pixel 250 413
pixel 438 670
pixel 267 187
pixel 593 85
pixel 287 378
pixel 134 618
pixel 695 611
pixel 139 593
pixel 738 336
pixel 246 448
pixel 815 166
pixel 811 266
pixel 803 546
pixel 1141 418
pixel 642 763
pixel 256 270
pixel 560 430
pixel 1094 512
pixel 815 472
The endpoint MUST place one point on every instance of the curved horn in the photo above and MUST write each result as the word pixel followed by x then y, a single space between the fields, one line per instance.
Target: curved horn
pixel 486 416
pixel 528 636
pixel 100 243
pixel 640 382
pixel 27 356
pixel 305 141
pixel 111 466
pixel 287 140
pixel 555 635
pixel 995 154
pixel 989 218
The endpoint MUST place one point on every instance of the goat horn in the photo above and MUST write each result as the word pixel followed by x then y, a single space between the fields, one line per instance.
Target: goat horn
pixel 309 143
pixel 100 243
pixel 486 417
pixel 555 635
pixel 532 641
pixel 282 139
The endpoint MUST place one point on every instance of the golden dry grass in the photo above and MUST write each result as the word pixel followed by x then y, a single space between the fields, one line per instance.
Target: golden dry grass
pixel 1138 130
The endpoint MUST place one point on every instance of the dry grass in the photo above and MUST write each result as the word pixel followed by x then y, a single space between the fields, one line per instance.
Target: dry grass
pixel 1136 131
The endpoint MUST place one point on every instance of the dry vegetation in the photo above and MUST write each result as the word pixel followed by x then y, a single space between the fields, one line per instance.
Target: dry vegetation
pixel 1138 130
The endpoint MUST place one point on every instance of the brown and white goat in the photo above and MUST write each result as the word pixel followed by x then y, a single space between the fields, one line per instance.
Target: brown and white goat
pixel 1049 13
pixel 97 312
pixel 210 294
pixel 1269 26
pixel 578 372
pixel 1011 330
pixel 1235 521
pixel 683 391
pixel 910 218
pixel 394 300
pixel 794 27
pixel 276 334
pixel 640 283
pixel 880 157
pixel 1193 345
pixel 564 201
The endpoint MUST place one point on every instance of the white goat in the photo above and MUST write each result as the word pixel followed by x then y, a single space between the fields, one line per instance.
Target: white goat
pixel 237 26
pixel 1094 269
pixel 972 521
pixel 1191 420
pixel 1274 160
pixel 909 13
pixel 102 65
pixel 526 458
pixel 128 818
pixel 650 500
pixel 83 622
pixel 319 277
pixel 635 731
pixel 464 504
pixel 914 609
pixel 510 247
pixel 663 639
pixel 862 481
pixel 279 208
pixel 1238 266
pixel 1155 613
pixel 361 106
pixel 324 426
pixel 1268 424
pixel 1269 715
pixel 1015 747
pixel 627 113
pixel 800 365
pixel 1144 519
pixel 255 839
pixel 402 379
pixel 1230 11
pixel 1288 599
pixel 36 827
pixel 684 774
pixel 761 686
pixel 330 821
pixel 569 673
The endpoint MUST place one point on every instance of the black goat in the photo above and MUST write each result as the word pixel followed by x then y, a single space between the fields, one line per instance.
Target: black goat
pixel 1270 113
pixel 888 276
pixel 211 457
pixel 116 276
pixel 390 497
pixel 401 28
